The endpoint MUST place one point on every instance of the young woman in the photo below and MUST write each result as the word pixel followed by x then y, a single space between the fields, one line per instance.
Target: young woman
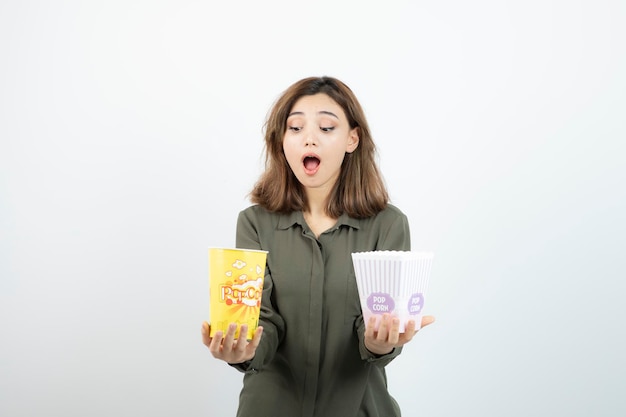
pixel 320 198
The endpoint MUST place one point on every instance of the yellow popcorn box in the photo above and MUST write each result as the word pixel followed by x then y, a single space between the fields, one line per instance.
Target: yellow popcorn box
pixel 235 288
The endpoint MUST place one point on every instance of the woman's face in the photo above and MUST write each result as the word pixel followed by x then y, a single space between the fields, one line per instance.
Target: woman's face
pixel 317 137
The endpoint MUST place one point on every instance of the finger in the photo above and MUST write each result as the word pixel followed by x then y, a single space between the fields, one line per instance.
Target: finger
pixel 206 331
pixel 409 331
pixel 370 328
pixel 229 339
pixel 242 341
pixel 426 320
pixel 394 331
pixel 256 339
pixel 383 328
pixel 216 344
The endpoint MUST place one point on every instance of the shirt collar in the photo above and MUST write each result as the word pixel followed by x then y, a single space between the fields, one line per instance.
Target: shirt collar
pixel 285 221
pixel 348 221
pixel 296 217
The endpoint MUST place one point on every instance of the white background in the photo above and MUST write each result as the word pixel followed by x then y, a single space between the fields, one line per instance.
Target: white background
pixel 131 131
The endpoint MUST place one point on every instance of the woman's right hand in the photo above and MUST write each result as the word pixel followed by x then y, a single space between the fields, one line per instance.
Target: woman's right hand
pixel 229 349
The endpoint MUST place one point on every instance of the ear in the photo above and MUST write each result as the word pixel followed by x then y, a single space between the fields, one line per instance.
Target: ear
pixel 353 140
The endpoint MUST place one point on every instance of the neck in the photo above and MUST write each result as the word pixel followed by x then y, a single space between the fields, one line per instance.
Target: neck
pixel 316 198
pixel 316 217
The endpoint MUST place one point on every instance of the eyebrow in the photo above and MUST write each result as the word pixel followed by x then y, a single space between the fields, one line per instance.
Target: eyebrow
pixel 326 112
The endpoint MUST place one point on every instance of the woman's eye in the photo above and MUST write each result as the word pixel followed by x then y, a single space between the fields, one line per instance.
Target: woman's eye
pixel 327 129
pixel 295 128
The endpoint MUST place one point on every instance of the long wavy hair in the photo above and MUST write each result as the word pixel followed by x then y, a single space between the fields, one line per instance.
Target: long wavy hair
pixel 360 190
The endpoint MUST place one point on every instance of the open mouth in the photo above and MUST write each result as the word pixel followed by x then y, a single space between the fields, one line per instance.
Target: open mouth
pixel 311 163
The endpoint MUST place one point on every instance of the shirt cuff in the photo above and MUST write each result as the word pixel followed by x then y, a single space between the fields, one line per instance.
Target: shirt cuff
pixel 379 360
pixel 245 367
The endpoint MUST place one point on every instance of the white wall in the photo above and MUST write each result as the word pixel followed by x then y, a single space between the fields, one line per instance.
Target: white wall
pixel 130 133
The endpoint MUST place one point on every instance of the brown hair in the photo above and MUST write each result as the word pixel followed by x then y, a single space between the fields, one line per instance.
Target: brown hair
pixel 359 191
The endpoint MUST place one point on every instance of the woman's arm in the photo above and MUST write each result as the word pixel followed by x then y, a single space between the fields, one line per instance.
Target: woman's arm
pixel 272 324
pixel 383 345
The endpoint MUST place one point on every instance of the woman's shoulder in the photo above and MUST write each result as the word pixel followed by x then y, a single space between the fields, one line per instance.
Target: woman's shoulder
pixel 384 219
pixel 392 210
pixel 254 211
pixel 387 230
pixel 390 213
pixel 258 213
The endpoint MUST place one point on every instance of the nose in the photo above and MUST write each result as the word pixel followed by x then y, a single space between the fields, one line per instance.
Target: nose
pixel 311 138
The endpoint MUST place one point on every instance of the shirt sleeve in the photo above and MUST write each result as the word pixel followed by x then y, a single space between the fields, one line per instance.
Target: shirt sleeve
pixel 273 324
pixel 395 236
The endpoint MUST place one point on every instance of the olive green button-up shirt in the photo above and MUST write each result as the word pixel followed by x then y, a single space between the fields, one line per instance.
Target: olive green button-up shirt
pixel 312 361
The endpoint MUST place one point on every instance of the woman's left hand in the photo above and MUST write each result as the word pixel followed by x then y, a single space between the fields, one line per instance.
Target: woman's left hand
pixel 388 336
